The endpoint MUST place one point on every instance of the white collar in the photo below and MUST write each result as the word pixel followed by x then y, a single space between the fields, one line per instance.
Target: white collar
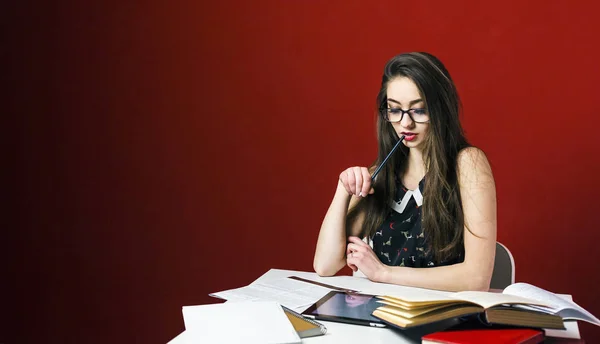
pixel 400 206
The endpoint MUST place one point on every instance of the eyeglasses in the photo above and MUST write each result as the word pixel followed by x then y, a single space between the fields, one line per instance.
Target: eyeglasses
pixel 395 115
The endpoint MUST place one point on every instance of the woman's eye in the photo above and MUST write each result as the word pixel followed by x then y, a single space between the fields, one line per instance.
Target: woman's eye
pixel 420 111
pixel 394 111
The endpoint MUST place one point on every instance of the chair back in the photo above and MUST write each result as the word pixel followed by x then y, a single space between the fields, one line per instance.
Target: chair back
pixel 504 268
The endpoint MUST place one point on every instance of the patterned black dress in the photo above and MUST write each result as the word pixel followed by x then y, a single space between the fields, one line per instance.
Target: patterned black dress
pixel 400 240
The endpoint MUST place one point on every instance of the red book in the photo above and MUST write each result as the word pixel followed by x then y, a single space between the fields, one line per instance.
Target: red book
pixel 490 336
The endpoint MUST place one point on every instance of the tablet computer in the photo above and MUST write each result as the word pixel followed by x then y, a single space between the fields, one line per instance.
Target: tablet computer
pixel 345 307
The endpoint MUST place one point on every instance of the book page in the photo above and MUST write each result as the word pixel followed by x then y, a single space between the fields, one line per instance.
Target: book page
pixel 566 309
pixel 571 327
pixel 487 299
pixel 536 293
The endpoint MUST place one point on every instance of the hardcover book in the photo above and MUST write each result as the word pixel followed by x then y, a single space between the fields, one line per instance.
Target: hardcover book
pixel 520 304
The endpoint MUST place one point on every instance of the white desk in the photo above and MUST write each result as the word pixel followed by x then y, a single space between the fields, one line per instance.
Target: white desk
pixel 348 334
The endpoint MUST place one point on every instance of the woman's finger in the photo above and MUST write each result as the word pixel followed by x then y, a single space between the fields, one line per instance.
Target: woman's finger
pixel 351 181
pixel 358 241
pixel 353 248
pixel 352 266
pixel 350 261
pixel 344 180
pixel 355 256
pixel 366 184
pixel 359 180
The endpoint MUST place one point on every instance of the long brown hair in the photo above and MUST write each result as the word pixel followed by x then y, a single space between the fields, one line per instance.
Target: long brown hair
pixel 442 213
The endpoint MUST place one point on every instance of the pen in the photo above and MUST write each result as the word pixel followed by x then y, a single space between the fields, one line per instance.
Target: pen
pixel 323 284
pixel 387 157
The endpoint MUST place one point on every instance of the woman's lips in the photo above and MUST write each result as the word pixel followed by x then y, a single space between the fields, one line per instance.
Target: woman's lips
pixel 409 136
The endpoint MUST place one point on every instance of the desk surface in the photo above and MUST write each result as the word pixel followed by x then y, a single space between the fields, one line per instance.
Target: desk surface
pixel 348 334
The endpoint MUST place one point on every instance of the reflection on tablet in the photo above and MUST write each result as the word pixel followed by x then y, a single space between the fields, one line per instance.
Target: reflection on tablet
pixel 346 307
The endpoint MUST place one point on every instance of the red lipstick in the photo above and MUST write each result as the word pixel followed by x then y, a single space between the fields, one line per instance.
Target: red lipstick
pixel 408 136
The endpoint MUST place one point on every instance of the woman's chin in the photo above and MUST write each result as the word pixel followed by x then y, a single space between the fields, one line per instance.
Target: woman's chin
pixel 412 144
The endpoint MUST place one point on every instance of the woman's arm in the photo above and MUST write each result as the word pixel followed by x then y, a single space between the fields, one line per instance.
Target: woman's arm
pixel 478 193
pixel 330 255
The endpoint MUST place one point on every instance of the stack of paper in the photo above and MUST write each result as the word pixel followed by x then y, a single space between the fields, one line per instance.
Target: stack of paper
pixel 239 322
pixel 288 292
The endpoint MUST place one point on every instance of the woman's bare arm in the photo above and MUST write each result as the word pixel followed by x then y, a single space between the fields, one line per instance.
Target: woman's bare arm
pixel 330 254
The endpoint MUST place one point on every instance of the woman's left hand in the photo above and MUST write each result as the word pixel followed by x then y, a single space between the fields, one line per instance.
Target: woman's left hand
pixel 360 255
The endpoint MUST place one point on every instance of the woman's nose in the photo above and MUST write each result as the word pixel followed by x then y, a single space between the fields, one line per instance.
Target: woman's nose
pixel 406 121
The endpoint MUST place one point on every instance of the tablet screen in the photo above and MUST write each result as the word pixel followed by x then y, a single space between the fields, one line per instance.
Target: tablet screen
pixel 346 307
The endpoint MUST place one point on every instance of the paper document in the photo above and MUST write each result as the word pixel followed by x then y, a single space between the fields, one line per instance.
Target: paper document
pixel 298 295
pixel 238 322
pixel 288 292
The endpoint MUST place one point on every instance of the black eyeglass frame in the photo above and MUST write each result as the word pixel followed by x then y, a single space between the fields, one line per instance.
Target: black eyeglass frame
pixel 384 113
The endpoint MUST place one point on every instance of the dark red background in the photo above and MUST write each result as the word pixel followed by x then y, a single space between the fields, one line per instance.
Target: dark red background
pixel 160 151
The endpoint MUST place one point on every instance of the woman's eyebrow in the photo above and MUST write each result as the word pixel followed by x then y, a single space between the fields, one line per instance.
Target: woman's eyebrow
pixel 412 102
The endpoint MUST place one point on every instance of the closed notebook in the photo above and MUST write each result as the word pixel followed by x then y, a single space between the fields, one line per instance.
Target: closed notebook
pixel 249 322
pixel 489 336
pixel 304 326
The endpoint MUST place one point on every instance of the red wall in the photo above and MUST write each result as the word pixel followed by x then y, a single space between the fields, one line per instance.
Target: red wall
pixel 164 151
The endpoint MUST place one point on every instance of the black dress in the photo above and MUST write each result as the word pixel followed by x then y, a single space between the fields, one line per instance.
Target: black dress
pixel 400 240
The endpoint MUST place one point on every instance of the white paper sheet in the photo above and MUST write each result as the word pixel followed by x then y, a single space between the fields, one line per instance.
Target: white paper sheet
pixel 239 322
pixel 288 292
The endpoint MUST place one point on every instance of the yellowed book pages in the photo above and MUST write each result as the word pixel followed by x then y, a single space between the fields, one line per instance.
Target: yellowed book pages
pixel 414 305
pixel 481 298
pixel 497 315
pixel 387 313
pixel 415 312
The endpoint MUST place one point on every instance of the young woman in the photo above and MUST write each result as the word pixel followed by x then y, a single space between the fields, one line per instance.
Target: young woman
pixel 429 218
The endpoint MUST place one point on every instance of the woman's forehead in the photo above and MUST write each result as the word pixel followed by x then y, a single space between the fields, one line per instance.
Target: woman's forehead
pixel 403 90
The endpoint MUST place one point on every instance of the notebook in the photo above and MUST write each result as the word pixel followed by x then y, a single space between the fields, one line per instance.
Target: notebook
pixel 239 322
pixel 304 326
pixel 508 336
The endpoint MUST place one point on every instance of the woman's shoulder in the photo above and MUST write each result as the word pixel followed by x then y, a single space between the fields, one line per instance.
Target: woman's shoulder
pixel 472 161
pixel 471 156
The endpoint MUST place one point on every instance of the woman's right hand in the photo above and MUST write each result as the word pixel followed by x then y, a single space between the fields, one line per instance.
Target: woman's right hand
pixel 357 181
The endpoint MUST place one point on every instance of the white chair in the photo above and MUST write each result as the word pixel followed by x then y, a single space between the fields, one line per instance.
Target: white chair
pixel 504 268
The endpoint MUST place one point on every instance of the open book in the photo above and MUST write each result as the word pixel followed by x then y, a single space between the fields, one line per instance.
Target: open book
pixel 520 304
pixel 567 310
